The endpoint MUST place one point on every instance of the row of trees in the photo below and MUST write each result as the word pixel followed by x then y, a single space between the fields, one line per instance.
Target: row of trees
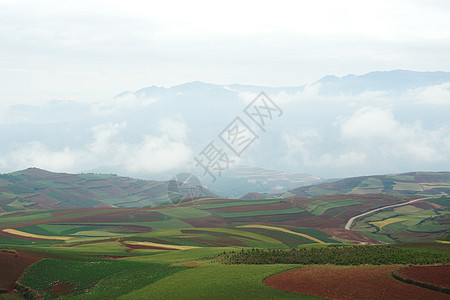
pixel 338 255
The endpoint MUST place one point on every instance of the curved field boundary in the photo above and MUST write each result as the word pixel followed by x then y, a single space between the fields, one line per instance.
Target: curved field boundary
pixel 162 246
pixel 352 219
pixel 426 285
pixel 36 236
pixel 349 282
pixel 283 230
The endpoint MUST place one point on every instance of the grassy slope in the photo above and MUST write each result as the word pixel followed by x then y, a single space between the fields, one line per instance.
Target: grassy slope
pixel 217 282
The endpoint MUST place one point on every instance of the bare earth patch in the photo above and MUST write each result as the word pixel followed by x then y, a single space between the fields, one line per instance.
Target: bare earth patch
pixel 11 267
pixel 339 282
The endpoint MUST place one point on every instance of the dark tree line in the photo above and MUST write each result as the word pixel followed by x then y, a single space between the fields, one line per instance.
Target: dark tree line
pixel 338 255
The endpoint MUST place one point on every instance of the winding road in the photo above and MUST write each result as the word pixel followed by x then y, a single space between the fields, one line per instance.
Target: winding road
pixel 350 221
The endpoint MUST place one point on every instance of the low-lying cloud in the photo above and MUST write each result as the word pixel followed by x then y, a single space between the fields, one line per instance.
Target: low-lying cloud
pixel 109 147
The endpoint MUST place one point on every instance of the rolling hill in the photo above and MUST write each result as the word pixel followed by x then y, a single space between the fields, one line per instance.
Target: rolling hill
pixel 39 189
pixel 108 204
pixel 415 183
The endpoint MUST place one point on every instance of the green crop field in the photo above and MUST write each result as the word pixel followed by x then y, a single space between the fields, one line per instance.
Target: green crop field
pixel 217 282
pixel 321 206
pixel 101 278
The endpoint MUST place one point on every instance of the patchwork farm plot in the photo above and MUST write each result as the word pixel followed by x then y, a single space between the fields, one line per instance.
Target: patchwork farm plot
pixel 212 248
pixel 423 221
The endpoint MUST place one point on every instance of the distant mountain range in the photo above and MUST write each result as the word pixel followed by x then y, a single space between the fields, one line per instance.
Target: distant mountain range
pixel 396 80
pixel 337 127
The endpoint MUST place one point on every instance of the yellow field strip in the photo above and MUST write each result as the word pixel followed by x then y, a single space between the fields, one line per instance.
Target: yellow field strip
pixel 37 236
pixel 443 242
pixel 166 246
pixel 283 230
pixel 381 224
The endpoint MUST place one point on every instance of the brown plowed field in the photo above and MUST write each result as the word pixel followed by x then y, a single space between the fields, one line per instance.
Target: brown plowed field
pixel 438 276
pixel 12 266
pixel 338 282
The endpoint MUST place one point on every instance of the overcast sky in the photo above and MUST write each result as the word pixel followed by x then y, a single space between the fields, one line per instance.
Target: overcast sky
pixel 88 50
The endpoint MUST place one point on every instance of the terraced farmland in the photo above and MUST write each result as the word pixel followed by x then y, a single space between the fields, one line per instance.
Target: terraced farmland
pixel 178 251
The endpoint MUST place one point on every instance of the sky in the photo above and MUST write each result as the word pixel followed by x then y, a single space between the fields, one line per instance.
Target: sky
pixel 91 50
pixel 62 62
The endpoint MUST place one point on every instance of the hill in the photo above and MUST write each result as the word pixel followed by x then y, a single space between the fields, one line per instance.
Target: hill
pixel 414 183
pixel 39 189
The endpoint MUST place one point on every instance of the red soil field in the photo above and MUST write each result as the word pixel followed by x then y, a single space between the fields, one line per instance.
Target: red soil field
pixel 44 200
pixel 12 266
pixel 424 205
pixel 61 288
pixel 438 276
pixel 338 282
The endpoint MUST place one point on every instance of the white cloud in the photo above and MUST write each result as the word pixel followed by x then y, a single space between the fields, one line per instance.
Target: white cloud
pixel 369 123
pixel 436 94
pixel 35 154
pixel 155 154
pixel 378 130
pixel 174 129
pixel 298 145
pixel 343 160
pixel 119 105
pixel 152 154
